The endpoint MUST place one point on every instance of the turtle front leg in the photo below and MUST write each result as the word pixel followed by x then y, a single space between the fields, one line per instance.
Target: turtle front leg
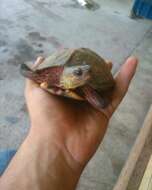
pixel 95 99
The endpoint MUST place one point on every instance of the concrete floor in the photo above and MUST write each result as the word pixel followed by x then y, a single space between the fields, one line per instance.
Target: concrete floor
pixel 31 28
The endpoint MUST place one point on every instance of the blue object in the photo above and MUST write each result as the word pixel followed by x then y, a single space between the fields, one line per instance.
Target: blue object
pixel 142 8
pixel 5 158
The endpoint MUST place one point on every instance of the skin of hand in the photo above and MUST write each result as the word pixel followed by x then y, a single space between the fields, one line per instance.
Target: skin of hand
pixel 69 131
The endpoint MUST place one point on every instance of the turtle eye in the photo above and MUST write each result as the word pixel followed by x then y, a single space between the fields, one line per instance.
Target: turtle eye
pixel 78 72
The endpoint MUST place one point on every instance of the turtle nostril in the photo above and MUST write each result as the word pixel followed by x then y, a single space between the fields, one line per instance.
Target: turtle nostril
pixel 78 72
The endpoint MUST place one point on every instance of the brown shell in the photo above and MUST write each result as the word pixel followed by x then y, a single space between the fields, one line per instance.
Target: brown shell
pixel 101 77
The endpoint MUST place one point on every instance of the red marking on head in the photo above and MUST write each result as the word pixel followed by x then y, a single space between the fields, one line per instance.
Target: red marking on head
pixel 50 75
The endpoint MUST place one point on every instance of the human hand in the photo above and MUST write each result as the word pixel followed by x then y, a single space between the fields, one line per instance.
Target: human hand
pixel 76 128
pixel 63 137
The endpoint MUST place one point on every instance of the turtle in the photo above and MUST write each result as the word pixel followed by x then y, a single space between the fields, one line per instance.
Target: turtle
pixel 78 73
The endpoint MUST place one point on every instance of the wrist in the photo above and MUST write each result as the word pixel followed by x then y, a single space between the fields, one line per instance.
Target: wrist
pixel 41 165
pixel 62 169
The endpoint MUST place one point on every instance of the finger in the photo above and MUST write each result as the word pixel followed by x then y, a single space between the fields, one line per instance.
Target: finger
pixel 29 86
pixel 123 80
pixel 109 63
pixel 29 83
pixel 125 74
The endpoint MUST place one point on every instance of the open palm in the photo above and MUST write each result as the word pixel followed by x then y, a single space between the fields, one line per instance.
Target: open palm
pixel 76 128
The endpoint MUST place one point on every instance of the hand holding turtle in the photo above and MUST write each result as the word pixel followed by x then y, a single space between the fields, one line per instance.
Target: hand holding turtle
pixel 77 128
pixel 64 135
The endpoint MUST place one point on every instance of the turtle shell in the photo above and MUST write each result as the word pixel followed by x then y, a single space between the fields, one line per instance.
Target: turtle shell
pixel 101 77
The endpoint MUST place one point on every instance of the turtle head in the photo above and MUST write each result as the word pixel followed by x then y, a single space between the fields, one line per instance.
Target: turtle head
pixel 75 76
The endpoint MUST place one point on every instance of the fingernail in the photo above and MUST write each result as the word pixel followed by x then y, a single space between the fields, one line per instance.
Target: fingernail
pixel 133 59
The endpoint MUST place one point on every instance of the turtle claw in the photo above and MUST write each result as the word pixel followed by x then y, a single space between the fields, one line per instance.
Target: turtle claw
pixel 44 85
pixel 52 90
pixel 55 91
pixel 71 94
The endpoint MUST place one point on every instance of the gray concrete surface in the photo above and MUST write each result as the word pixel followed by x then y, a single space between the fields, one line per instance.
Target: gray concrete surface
pixel 31 28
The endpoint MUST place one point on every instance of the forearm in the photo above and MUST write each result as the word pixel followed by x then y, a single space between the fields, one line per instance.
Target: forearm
pixel 39 165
